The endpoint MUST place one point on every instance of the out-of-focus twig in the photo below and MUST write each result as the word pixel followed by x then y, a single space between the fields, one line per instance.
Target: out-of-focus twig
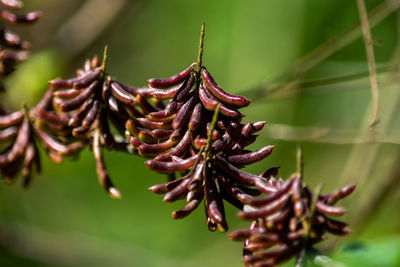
pixel 87 24
pixel 328 84
pixel 371 61
pixel 321 53
pixel 363 158
pixel 328 135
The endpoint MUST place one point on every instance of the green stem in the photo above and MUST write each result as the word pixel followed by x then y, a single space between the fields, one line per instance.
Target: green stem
pixel 104 63
pixel 201 46
pixel 299 162
pixel 212 127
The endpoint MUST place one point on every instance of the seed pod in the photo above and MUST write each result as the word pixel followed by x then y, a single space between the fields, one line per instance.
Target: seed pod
pixel 91 115
pixel 145 149
pixel 89 78
pixel 184 113
pixel 77 101
pixel 178 192
pixel 184 90
pixel 173 80
pixel 51 143
pixel 189 208
pixel 11 119
pixel 78 116
pixel 102 173
pixel 250 158
pixel 122 95
pixel 21 142
pixel 165 94
pixel 225 97
pixel 211 104
pixel 69 83
pixel 167 167
pixel 62 119
pixel 153 125
pixel 215 209
pixel 236 173
pixel 164 188
pixel 8 134
pixel 195 118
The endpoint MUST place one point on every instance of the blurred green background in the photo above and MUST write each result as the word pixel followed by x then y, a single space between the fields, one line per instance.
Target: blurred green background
pixel 66 219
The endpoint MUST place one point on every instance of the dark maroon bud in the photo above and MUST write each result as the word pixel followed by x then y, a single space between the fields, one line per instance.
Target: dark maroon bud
pixel 184 113
pixel 122 95
pixel 185 89
pixel 165 94
pixel 189 208
pixel 11 119
pixel 91 115
pixel 221 94
pixel 236 173
pixel 77 101
pixel 195 118
pixel 173 80
pixel 165 188
pixel 90 77
pixel 166 167
pixel 266 210
pixel 102 173
pixel 252 157
pixel 8 133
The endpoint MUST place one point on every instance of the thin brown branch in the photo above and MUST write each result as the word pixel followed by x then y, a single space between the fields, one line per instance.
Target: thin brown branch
pixel 371 61
pixel 322 52
pixel 327 135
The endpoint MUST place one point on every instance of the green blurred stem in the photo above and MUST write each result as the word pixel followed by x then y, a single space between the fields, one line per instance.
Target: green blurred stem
pixel 201 47
pixel 371 61
pixel 104 63
pixel 299 162
pixel 212 127
pixel 324 51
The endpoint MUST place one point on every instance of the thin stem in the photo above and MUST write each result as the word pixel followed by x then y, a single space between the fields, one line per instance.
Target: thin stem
pixel 299 162
pixel 300 258
pixel 307 225
pixel 104 63
pixel 323 51
pixel 212 127
pixel 201 46
pixel 371 61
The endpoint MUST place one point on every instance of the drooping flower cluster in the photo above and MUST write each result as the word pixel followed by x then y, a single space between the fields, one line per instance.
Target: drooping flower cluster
pixel 11 45
pixel 86 106
pixel 208 153
pixel 288 220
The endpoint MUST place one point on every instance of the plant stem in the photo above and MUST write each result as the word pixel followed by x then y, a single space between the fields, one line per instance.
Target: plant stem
pixel 201 47
pixel 307 225
pixel 212 127
pixel 371 61
pixel 323 51
pixel 299 162
pixel 300 258
pixel 104 62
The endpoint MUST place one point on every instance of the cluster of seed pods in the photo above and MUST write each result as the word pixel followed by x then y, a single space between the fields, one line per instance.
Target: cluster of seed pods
pixel 288 220
pixel 87 105
pixel 19 132
pixel 17 147
pixel 198 135
pixel 11 46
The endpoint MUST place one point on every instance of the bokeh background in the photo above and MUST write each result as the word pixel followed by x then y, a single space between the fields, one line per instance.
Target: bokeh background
pixel 304 65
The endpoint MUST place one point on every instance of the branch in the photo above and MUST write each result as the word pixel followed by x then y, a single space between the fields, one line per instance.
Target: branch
pixel 328 135
pixel 371 61
pixel 322 52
